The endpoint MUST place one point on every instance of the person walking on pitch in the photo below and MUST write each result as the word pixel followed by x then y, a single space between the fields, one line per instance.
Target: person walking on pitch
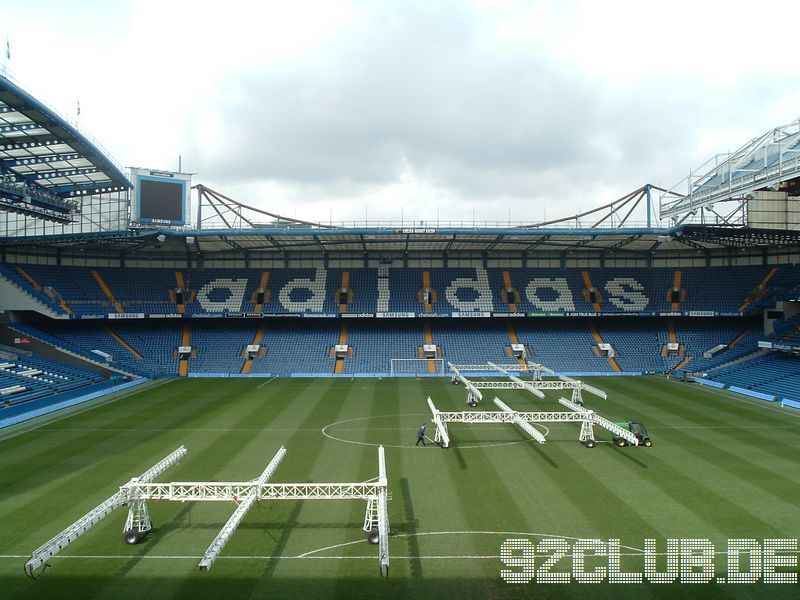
pixel 421 435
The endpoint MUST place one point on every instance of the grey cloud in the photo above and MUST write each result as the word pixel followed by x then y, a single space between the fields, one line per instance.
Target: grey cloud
pixel 420 88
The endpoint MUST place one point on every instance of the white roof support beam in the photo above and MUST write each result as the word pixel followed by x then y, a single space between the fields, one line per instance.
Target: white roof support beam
pixel 53 546
pixel 544 369
pixel 142 489
pixel 521 423
pixel 227 530
pixel 526 385
pixel 473 391
pixel 601 421
pixel 593 390
pixel 383 515
pixel 442 435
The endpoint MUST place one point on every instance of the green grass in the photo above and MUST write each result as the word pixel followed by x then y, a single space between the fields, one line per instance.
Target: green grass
pixel 720 468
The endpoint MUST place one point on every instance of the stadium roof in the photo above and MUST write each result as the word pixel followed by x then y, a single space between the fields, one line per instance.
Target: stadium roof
pixel 40 149
pixel 763 163
pixel 394 243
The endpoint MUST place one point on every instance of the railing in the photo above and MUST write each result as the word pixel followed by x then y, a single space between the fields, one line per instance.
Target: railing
pixel 432 225
pixel 731 187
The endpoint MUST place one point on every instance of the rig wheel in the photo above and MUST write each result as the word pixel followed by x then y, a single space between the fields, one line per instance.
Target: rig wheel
pixel 648 443
pixel 373 536
pixel 131 537
pixel 589 443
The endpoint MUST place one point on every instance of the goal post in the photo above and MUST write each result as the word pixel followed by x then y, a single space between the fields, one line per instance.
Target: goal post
pixel 411 367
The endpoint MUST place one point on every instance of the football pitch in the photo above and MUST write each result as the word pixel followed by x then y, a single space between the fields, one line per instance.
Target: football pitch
pixel 720 468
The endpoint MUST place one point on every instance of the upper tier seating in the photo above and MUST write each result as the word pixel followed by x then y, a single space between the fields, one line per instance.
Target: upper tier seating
pixel 456 290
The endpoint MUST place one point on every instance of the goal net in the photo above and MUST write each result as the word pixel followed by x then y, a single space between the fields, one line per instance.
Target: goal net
pixel 416 366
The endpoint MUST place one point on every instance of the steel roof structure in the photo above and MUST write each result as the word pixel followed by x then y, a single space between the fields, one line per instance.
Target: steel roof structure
pixel 45 161
pixel 393 244
pixel 50 170
pixel 770 161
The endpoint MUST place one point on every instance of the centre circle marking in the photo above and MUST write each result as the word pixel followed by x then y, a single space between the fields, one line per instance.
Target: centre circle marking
pixel 466 446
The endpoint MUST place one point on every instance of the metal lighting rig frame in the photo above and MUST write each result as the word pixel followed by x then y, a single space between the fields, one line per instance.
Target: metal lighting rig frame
pixel 140 490
pixel 578 414
pixel 534 386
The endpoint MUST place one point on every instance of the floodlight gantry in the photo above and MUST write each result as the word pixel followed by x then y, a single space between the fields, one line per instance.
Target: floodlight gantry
pixel 578 414
pixel 140 490
pixel 515 383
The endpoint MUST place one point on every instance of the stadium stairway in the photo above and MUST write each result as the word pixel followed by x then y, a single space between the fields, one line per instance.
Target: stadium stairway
pixel 426 286
pixel 587 281
pixel 509 285
pixel 107 291
pixel 676 284
pixel 257 338
pixel 181 307
pixel 512 335
pixel 54 295
pixel 759 291
pixel 428 333
pixel 19 294
pixel 344 289
pixel 599 340
pixel 684 361
pixel 339 364
pixel 262 285
pixel 186 340
pixel 124 344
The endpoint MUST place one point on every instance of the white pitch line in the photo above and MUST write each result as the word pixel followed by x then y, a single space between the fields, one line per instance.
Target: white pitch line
pixel 189 429
pixel 354 557
pixel 723 427
pixel 431 533
pixel 459 446
pixel 266 382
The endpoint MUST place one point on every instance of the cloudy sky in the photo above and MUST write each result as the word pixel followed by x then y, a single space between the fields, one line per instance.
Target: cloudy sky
pixel 421 108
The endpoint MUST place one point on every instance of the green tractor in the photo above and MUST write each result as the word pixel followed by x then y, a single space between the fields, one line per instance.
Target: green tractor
pixel 636 428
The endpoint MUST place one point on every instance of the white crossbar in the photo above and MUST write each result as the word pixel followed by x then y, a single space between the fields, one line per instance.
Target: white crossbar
pixel 485 416
pixel 521 423
pixel 517 368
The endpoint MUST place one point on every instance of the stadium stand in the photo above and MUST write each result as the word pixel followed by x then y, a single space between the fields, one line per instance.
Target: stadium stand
pixel 148 347
pixel 25 377
pixel 104 290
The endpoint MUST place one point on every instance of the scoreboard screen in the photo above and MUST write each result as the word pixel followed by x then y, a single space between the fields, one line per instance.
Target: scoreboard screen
pixel 161 198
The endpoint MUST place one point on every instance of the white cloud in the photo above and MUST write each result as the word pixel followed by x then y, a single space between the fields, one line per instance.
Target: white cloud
pixel 325 108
